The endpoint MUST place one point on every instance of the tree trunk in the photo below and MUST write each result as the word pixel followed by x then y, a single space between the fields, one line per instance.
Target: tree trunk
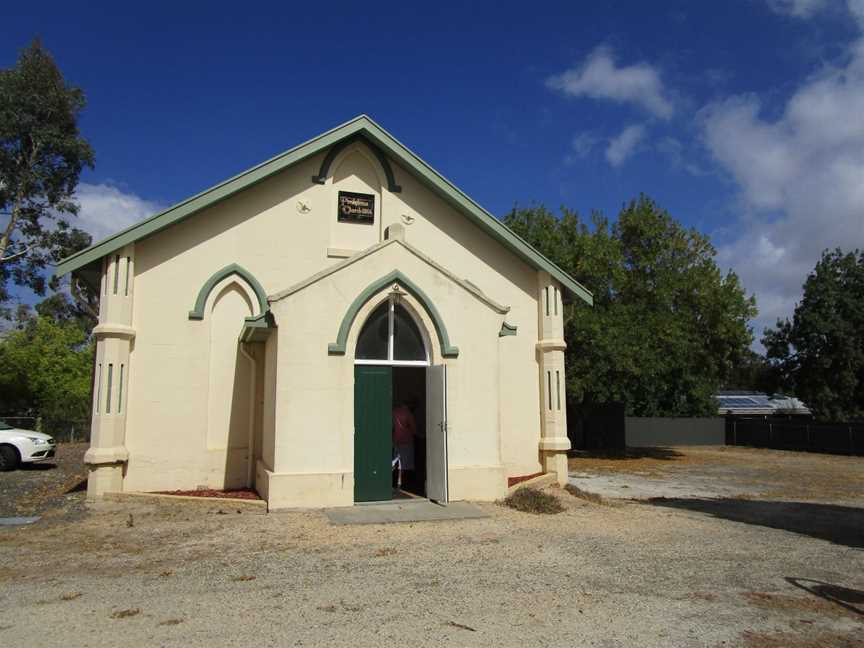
pixel 7 234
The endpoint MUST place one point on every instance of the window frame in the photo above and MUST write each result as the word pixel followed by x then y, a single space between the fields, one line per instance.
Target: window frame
pixel 391 315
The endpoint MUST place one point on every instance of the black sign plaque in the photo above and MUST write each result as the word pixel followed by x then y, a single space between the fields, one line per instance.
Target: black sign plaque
pixel 356 208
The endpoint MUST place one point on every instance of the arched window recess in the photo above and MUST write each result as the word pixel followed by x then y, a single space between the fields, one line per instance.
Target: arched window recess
pixel 260 297
pixel 392 336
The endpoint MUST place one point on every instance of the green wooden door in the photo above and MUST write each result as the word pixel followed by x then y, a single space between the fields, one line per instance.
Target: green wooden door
pixel 373 422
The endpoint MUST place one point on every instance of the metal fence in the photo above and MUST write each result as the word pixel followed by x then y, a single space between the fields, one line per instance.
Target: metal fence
pixel 652 432
pixel 63 430
pixel 791 434
pixel 605 427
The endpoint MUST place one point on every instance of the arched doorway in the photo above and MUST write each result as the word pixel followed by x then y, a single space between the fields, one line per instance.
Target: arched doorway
pixel 394 408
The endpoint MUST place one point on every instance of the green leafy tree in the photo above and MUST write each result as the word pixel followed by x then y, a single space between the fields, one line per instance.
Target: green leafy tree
pixel 667 326
pixel 754 372
pixel 42 155
pixel 47 368
pixel 820 353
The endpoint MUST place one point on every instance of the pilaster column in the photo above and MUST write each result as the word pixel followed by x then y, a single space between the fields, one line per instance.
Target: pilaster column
pixel 107 455
pixel 554 442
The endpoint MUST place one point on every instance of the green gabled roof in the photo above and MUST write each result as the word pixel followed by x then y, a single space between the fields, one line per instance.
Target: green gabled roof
pixel 359 126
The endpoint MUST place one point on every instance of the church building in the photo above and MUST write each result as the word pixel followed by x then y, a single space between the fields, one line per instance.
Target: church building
pixel 338 324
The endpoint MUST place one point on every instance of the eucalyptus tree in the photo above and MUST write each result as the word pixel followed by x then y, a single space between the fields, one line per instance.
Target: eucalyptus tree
pixel 42 155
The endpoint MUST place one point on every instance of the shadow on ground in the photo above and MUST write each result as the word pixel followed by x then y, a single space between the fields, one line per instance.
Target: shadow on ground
pixel 36 467
pixel 850 599
pixel 664 454
pixel 842 525
pixel 80 487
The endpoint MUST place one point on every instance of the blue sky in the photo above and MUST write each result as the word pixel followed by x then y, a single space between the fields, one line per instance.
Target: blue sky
pixel 742 117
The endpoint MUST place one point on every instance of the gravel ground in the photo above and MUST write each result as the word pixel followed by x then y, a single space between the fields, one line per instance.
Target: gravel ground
pixel 51 488
pixel 202 574
pixel 682 572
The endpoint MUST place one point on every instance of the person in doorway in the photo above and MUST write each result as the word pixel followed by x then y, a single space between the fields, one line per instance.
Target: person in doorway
pixel 404 431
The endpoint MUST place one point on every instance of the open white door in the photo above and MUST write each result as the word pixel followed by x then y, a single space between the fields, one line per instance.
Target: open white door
pixel 436 434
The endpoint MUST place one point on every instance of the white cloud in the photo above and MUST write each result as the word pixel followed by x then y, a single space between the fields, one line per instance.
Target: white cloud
pixel 801 180
pixel 584 143
pixel 676 153
pixel 599 78
pixel 105 209
pixel 856 8
pixel 623 145
pixel 797 8
pixel 581 147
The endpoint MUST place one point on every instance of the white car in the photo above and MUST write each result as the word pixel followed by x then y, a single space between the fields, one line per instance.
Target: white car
pixel 23 446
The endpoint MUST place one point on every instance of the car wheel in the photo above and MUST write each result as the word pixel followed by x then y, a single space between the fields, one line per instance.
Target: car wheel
pixel 9 458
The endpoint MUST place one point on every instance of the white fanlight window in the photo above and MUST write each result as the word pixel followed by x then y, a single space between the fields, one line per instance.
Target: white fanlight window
pixel 392 336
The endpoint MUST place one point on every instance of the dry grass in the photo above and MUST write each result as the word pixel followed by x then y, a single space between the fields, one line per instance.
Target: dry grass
pixel 639 460
pixel 594 498
pixel 461 626
pixel 531 500
pixel 762 473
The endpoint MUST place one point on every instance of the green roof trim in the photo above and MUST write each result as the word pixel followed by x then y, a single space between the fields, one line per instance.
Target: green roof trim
pixel 197 311
pixel 338 347
pixel 361 126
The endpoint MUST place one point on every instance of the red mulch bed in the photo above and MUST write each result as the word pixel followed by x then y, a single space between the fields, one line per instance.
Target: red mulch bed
pixel 511 481
pixel 239 493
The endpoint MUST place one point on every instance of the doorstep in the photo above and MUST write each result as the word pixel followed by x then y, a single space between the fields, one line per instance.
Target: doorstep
pixel 403 511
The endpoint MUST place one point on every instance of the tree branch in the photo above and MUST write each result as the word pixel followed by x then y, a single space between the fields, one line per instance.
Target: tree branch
pixel 82 300
pixel 5 240
pixel 17 255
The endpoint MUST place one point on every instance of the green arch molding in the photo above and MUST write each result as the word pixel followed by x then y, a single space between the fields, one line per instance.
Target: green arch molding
pixel 338 347
pixel 507 329
pixel 197 312
pixel 324 171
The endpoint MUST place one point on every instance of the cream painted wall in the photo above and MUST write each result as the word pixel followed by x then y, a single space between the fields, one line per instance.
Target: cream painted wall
pixel 315 401
pixel 187 425
pixel 280 230
pixel 450 238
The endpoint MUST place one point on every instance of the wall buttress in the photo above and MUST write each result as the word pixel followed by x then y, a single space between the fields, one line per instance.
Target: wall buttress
pixel 554 442
pixel 114 334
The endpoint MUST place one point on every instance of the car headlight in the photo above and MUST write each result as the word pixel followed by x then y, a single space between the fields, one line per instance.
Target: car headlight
pixel 37 441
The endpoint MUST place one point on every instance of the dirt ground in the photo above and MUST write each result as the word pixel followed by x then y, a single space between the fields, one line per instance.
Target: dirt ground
pixel 626 573
pixel 724 471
